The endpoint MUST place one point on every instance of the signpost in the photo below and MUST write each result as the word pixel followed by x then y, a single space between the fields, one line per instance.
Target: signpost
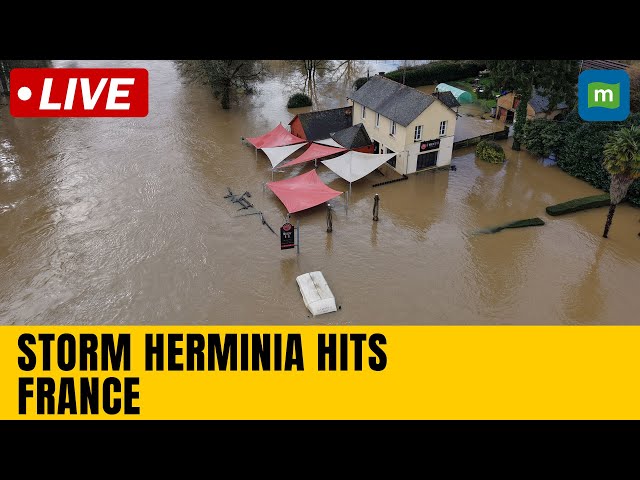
pixel 287 236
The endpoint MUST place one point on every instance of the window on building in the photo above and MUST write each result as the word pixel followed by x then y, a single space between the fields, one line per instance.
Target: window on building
pixel 364 111
pixel 377 120
pixel 417 136
pixel 443 127
pixel 392 131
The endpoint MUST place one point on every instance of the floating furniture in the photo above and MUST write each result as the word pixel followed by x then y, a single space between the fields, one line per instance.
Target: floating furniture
pixel 316 293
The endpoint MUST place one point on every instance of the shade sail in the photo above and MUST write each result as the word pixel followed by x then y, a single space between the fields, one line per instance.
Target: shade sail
pixel 354 165
pixel 278 137
pixel 330 142
pixel 302 192
pixel 278 154
pixel 314 152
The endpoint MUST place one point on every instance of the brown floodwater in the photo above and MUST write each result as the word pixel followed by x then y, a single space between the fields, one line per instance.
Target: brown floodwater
pixel 123 221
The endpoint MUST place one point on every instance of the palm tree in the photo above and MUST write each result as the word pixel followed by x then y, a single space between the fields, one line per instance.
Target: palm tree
pixel 622 161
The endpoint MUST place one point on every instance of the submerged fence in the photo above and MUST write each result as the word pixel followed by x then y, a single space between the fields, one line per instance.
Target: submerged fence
pixel 499 135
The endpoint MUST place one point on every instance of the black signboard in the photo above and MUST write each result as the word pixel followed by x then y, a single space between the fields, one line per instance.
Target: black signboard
pixel 429 145
pixel 287 236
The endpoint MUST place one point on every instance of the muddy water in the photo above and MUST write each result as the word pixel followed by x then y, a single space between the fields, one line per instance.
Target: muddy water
pixel 123 221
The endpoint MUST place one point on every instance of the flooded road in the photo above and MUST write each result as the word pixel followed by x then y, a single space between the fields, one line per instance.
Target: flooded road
pixel 123 221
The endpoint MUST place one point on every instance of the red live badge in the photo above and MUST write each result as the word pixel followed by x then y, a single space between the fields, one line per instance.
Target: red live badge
pixel 79 92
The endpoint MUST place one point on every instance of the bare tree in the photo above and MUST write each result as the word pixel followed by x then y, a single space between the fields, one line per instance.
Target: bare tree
pixel 7 65
pixel 4 83
pixel 348 71
pixel 227 78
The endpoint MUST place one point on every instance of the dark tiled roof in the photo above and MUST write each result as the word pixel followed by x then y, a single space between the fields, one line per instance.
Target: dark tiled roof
pixel 352 137
pixel 448 98
pixel 540 103
pixel 320 124
pixel 602 65
pixel 393 100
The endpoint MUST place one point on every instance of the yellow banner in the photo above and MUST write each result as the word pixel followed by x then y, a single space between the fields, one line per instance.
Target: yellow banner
pixel 328 372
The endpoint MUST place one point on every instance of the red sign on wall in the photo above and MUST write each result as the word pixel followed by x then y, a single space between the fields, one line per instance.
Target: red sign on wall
pixel 430 145
pixel 79 92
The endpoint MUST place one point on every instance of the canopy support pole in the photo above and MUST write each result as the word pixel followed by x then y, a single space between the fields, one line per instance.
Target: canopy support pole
pixel 256 148
pixel 298 242
pixel 376 207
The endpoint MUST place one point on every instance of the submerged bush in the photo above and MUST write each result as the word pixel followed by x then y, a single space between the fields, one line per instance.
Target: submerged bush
pixel 527 222
pixel 578 204
pixel 490 151
pixel 298 100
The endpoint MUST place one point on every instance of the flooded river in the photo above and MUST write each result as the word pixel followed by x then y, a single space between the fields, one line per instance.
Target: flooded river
pixel 123 221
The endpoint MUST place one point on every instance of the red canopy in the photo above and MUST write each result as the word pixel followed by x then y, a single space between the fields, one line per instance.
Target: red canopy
pixel 314 152
pixel 278 137
pixel 302 192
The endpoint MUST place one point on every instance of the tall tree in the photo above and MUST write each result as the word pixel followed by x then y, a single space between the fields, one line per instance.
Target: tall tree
pixel 622 161
pixel 313 69
pixel 226 78
pixel 556 79
pixel 347 71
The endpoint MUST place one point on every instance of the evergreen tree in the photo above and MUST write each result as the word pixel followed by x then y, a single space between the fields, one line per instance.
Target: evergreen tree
pixel 556 79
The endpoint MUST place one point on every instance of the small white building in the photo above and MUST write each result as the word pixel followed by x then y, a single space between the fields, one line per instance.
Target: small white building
pixel 416 126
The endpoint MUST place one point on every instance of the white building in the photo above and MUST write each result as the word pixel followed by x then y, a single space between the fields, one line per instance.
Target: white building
pixel 418 127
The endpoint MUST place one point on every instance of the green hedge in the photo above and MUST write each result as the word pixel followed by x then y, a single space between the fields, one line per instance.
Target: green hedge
pixel 578 146
pixel 579 204
pixel 490 151
pixel 298 100
pixel 437 72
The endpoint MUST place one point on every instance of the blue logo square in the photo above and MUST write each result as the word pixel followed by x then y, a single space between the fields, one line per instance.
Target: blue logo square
pixel 603 95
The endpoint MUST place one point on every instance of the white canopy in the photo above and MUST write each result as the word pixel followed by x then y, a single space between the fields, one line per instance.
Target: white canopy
pixel 278 154
pixel 354 165
pixel 329 142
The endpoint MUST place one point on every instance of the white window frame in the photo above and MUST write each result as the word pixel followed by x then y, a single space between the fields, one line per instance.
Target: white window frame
pixel 364 111
pixel 392 130
pixel 377 120
pixel 417 133
pixel 443 128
